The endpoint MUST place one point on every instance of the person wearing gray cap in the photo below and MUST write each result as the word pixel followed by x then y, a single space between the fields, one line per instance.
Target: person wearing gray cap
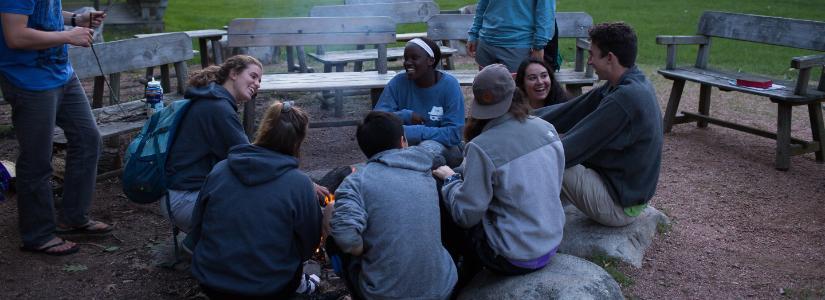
pixel 513 219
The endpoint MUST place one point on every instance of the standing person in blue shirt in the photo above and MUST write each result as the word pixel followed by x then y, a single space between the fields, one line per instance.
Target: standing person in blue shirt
pixel 508 31
pixel 43 90
pixel 612 135
pixel 429 101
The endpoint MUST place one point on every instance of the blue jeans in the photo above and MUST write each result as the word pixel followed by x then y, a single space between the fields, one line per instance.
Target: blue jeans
pixel 34 116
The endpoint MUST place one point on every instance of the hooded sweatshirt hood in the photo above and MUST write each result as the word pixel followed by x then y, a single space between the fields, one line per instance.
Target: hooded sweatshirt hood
pixel 254 165
pixel 213 91
pixel 412 158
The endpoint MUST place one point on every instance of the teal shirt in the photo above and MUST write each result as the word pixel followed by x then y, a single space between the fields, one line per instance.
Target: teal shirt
pixel 514 23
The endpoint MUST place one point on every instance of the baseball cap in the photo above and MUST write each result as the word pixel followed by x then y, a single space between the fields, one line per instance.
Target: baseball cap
pixel 493 89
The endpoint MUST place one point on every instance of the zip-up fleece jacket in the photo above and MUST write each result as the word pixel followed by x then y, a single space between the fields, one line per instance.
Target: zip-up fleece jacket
pixel 256 220
pixel 616 131
pixel 512 182
pixel 207 131
pixel 390 206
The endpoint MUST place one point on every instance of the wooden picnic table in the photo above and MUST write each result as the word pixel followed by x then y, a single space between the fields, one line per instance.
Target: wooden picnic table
pixel 212 35
pixel 339 59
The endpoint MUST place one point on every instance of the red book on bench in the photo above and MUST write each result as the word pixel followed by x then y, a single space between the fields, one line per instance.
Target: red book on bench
pixel 754 82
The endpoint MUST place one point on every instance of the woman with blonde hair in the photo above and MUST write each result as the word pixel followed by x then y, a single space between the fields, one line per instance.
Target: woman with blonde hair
pixel 210 127
pixel 257 218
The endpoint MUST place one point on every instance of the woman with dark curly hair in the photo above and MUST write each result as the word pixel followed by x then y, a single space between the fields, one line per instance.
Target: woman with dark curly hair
pixel 536 79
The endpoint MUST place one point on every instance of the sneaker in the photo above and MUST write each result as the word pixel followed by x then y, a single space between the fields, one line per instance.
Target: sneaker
pixel 309 284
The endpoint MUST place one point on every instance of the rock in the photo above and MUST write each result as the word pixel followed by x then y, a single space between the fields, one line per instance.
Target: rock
pixel 566 277
pixel 586 238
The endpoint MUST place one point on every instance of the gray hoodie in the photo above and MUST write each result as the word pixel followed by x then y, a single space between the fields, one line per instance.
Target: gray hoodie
pixel 390 206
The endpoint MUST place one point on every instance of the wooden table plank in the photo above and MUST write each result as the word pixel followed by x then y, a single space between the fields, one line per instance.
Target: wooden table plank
pixel 346 56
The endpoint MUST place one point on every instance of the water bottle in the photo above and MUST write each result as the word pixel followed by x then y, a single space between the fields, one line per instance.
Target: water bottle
pixel 154 97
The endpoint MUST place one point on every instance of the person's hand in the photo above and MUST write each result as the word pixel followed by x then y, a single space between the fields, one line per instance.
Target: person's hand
pixel 326 229
pixel 320 192
pixel 416 119
pixel 471 48
pixel 537 54
pixel 91 20
pixel 80 36
pixel 443 172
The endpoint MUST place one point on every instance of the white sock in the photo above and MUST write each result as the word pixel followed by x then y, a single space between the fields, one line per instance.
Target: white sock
pixel 309 283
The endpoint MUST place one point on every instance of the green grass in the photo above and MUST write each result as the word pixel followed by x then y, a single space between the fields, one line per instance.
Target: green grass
pixel 649 18
pixel 611 266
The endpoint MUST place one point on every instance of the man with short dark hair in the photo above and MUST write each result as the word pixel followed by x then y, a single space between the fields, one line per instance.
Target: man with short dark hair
pixel 386 219
pixel 612 135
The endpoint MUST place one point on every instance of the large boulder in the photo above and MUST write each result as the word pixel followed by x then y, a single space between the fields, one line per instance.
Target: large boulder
pixel 566 277
pixel 586 238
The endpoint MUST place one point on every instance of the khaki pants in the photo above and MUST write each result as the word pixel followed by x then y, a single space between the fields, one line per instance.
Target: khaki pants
pixel 585 189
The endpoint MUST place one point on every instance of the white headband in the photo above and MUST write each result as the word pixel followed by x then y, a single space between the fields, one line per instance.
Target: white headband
pixel 423 45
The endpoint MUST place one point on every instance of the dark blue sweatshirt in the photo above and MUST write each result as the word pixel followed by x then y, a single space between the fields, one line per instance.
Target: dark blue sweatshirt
pixel 209 129
pixel 255 222
pixel 616 131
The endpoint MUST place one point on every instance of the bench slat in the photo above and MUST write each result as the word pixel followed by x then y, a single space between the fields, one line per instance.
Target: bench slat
pixel 722 80
pixel 455 27
pixel 310 31
pixel 131 54
pixel 400 12
pixel 803 34
pixel 336 57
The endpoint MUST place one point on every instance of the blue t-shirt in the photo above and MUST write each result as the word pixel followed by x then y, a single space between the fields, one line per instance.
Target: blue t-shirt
pixel 35 70
pixel 441 106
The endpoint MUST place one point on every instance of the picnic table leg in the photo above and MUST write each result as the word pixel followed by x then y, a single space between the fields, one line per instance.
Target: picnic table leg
pixel 359 65
pixel 574 90
pixel 97 94
pixel 217 51
pixel 375 95
pixel 249 117
pixel 302 59
pixel 673 104
pixel 339 103
pixel 150 73
pixel 114 92
pixel 290 59
pixel 704 104
pixel 817 129
pixel 783 137
pixel 164 78
pixel 204 52
pixel 180 75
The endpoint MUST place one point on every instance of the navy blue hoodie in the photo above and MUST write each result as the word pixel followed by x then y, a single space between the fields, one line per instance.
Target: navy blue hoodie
pixel 209 129
pixel 255 222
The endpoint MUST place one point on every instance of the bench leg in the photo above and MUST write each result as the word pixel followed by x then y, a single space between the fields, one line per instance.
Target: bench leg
pixel 783 137
pixel 302 59
pixel 217 52
pixel 339 103
pixel 164 78
pixel 114 92
pixel 673 104
pixel 574 90
pixel 97 93
pixel 704 104
pixel 180 74
pixel 150 73
pixel 817 130
pixel 249 118
pixel 359 65
pixel 204 53
pixel 290 59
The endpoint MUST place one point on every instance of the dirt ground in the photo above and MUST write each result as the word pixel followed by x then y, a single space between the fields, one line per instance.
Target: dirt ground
pixel 741 228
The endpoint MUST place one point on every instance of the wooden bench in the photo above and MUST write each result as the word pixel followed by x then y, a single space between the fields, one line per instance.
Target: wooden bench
pixel 793 33
pixel 206 35
pixel 407 12
pixel 448 27
pixel 300 32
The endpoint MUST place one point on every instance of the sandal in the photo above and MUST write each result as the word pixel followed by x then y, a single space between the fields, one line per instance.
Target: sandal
pixel 91 227
pixel 45 249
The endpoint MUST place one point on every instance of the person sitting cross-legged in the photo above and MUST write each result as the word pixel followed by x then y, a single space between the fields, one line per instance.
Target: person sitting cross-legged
pixel 612 135
pixel 385 227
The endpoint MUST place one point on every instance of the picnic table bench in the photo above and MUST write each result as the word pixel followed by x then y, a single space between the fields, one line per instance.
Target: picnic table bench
pixel 206 35
pixel 339 59
pixel 793 33
pixel 448 27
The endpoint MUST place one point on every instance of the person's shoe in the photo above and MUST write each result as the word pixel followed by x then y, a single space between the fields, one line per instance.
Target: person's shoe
pixel 55 247
pixel 90 228
pixel 309 284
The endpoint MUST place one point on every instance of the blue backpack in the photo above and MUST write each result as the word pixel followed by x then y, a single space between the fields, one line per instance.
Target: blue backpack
pixel 144 176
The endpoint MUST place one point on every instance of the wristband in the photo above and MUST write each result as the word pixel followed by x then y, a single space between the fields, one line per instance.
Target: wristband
pixel 74 20
pixel 451 178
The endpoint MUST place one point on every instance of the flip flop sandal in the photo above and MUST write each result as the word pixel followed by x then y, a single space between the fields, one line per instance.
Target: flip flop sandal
pixel 87 228
pixel 45 250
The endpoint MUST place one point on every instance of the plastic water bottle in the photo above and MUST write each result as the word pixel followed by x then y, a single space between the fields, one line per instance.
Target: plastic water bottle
pixel 154 97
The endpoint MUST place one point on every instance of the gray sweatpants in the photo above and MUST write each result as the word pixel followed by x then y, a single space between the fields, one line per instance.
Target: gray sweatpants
pixel 34 116
pixel 586 190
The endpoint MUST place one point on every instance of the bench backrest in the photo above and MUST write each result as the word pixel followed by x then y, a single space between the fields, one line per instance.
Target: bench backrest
pixel 349 2
pixel 310 31
pixel 131 54
pixel 455 27
pixel 400 12
pixel 802 34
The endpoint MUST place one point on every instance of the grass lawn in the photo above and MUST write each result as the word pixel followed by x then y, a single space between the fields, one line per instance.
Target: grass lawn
pixel 650 18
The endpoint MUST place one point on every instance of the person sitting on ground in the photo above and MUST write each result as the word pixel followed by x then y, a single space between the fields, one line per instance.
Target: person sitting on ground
pixel 257 218
pixel 513 218
pixel 612 135
pixel 538 83
pixel 385 225
pixel 429 101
